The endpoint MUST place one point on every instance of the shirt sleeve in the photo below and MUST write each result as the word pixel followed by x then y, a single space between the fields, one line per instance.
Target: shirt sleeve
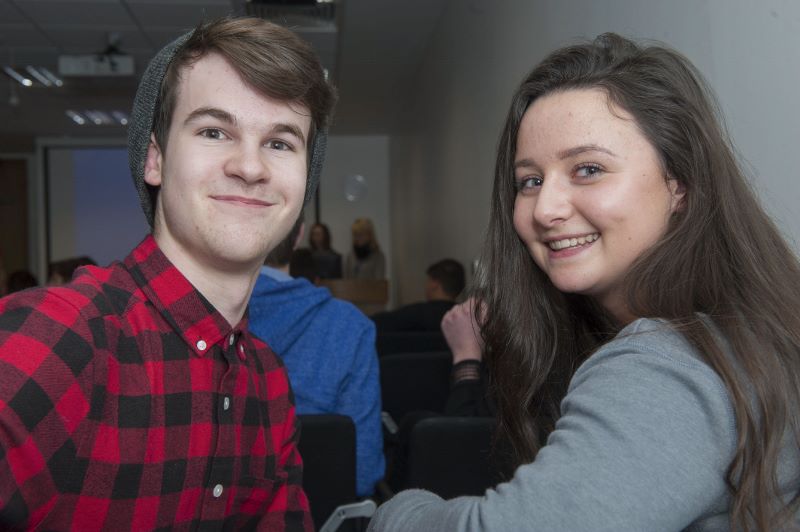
pixel 360 399
pixel 643 444
pixel 46 357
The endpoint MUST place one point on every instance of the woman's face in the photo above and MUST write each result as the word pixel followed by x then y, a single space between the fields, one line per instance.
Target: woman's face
pixel 591 193
pixel 361 237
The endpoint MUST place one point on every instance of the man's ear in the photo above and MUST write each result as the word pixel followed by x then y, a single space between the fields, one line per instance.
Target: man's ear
pixel 153 164
pixel 678 191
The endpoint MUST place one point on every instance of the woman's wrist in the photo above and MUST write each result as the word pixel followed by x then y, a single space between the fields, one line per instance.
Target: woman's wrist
pixel 466 370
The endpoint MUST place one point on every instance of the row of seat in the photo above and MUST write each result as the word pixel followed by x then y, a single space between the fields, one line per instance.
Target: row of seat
pixel 446 455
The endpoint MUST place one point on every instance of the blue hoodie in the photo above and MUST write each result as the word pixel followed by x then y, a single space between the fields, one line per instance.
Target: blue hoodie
pixel 328 347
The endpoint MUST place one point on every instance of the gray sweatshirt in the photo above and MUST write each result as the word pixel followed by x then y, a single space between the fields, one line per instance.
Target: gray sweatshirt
pixel 646 435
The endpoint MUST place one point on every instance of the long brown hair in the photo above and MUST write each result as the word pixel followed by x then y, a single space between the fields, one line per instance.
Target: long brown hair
pixel 722 251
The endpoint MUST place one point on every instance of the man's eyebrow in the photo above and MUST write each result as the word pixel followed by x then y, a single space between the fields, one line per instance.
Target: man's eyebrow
pixel 213 112
pixel 291 129
pixel 228 118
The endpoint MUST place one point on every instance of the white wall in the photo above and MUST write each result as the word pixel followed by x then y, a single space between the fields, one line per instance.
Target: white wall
pixel 442 160
pixel 367 156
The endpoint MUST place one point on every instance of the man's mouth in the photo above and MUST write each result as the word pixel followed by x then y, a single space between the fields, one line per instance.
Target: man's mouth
pixel 243 200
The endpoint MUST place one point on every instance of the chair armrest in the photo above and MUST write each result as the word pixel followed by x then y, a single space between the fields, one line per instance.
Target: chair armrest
pixel 364 508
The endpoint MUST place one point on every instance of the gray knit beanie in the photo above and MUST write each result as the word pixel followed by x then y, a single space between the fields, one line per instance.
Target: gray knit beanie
pixel 140 128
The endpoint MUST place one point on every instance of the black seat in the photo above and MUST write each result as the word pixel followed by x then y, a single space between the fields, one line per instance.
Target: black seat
pixel 415 382
pixel 392 343
pixel 450 456
pixel 328 448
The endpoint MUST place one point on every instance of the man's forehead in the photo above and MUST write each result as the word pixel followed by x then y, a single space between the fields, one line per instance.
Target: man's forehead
pixel 211 80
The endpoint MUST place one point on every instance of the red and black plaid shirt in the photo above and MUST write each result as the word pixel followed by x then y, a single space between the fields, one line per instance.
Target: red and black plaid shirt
pixel 127 402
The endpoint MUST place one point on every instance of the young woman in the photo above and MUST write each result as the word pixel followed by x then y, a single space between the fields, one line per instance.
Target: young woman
pixel 327 261
pixel 641 313
pixel 365 260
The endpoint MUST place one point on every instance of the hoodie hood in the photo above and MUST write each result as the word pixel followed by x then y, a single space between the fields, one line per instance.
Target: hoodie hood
pixel 290 306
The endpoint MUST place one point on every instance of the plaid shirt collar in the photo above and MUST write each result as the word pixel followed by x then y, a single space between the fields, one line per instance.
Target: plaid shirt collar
pixel 192 316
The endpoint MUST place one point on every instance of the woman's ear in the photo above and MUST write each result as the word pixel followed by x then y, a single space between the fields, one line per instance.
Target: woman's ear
pixel 153 163
pixel 678 192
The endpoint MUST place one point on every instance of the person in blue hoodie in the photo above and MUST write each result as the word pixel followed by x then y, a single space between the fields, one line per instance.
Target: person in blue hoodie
pixel 328 347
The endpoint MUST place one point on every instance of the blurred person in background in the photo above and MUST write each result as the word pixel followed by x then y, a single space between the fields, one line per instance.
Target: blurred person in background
pixel 365 260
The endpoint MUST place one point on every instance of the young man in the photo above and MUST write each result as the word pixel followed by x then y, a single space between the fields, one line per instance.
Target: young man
pixel 134 397
pixel 328 346
pixel 444 282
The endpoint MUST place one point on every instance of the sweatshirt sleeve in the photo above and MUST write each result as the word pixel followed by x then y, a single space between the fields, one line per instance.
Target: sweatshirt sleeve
pixel 360 398
pixel 646 435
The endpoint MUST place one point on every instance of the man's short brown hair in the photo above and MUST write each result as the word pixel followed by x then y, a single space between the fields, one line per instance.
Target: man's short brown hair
pixel 271 59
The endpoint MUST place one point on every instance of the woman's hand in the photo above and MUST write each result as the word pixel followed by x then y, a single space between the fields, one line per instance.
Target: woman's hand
pixel 462 331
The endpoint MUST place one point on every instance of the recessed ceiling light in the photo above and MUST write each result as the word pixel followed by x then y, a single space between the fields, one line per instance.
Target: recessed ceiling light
pixel 55 80
pixel 39 76
pixel 16 76
pixel 76 117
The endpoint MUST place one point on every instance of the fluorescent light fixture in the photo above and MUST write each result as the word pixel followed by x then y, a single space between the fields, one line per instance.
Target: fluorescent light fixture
pixel 39 76
pixel 16 76
pixel 76 117
pixel 93 116
pixel 120 117
pixel 55 80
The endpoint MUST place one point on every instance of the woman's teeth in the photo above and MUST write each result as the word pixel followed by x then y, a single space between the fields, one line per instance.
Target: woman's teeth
pixel 573 242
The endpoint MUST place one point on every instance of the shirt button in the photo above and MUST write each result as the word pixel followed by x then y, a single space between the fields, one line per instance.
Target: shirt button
pixel 201 345
pixel 231 339
pixel 217 491
pixel 242 356
pixel 226 403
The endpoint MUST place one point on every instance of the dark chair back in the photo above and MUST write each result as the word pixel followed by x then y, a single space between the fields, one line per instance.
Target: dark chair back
pixel 410 342
pixel 328 447
pixel 450 456
pixel 415 381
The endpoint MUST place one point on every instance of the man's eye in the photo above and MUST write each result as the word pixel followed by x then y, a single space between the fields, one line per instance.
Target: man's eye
pixel 213 133
pixel 279 145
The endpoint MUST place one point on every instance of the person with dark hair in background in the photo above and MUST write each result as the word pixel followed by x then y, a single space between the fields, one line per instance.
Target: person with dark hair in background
pixel 302 265
pixel 134 397
pixel 639 311
pixel 445 280
pixel 61 271
pixel 20 280
pixel 328 347
pixel 328 261
pixel 365 260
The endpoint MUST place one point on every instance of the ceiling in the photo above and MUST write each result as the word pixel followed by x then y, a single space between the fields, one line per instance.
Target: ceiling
pixel 373 51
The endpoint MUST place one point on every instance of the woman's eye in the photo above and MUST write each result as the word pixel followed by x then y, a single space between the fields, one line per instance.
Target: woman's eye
pixel 279 145
pixel 588 170
pixel 213 133
pixel 529 183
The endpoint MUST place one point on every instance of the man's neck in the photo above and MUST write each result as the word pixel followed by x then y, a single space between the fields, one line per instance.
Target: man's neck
pixel 228 290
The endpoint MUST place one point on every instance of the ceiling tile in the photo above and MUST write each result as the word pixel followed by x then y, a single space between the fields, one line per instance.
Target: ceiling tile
pixel 9 15
pixel 95 40
pixel 18 35
pixel 83 13
pixel 177 15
